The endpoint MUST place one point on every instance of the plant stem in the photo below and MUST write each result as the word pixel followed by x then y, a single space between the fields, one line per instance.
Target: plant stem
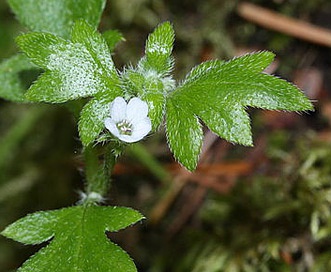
pixel 98 174
pixel 110 158
pixel 146 158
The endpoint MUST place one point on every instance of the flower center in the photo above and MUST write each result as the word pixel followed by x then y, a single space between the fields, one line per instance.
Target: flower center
pixel 124 127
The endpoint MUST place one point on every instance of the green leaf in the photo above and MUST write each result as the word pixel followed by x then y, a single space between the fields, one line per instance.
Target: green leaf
pixel 76 69
pixel 95 43
pixel 184 133
pixel 40 46
pixel 16 73
pixel 218 92
pixel 242 83
pixel 202 70
pixel 158 50
pixel 155 101
pixel 254 62
pixel 93 115
pixel 57 16
pixel 230 122
pixel 79 241
pixel 151 88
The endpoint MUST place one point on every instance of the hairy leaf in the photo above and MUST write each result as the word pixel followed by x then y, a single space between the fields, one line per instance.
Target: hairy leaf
pixel 16 74
pixel 57 16
pixel 151 88
pixel 155 101
pixel 217 92
pixel 79 240
pixel 76 69
pixel 95 43
pixel 253 62
pixel 158 50
pixel 93 115
pixel 184 133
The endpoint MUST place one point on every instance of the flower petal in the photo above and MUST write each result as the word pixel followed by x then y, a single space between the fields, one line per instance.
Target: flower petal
pixel 111 126
pixel 127 138
pixel 141 129
pixel 136 110
pixel 118 109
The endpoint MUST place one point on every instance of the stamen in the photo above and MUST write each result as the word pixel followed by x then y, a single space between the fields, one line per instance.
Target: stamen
pixel 124 127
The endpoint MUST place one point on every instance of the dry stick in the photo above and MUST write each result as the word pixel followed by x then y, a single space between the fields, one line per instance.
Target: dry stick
pixel 281 23
pixel 161 208
pixel 215 183
pixel 187 210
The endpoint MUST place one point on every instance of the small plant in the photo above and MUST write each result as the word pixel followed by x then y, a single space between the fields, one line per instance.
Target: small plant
pixel 117 108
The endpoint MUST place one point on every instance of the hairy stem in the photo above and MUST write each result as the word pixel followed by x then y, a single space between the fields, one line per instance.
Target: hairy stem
pixel 98 170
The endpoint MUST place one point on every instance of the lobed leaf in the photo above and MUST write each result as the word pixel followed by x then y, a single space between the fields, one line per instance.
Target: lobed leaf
pixel 76 69
pixel 57 16
pixel 217 92
pixel 227 83
pixel 79 243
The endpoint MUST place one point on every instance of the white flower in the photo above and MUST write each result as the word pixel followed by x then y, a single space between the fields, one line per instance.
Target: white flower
pixel 128 121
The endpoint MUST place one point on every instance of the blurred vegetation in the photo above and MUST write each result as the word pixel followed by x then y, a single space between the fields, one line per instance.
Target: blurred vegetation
pixel 275 218
pixel 277 221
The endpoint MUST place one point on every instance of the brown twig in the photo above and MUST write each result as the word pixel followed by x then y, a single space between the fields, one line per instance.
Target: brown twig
pixel 284 24
pixel 162 206
pixel 187 210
